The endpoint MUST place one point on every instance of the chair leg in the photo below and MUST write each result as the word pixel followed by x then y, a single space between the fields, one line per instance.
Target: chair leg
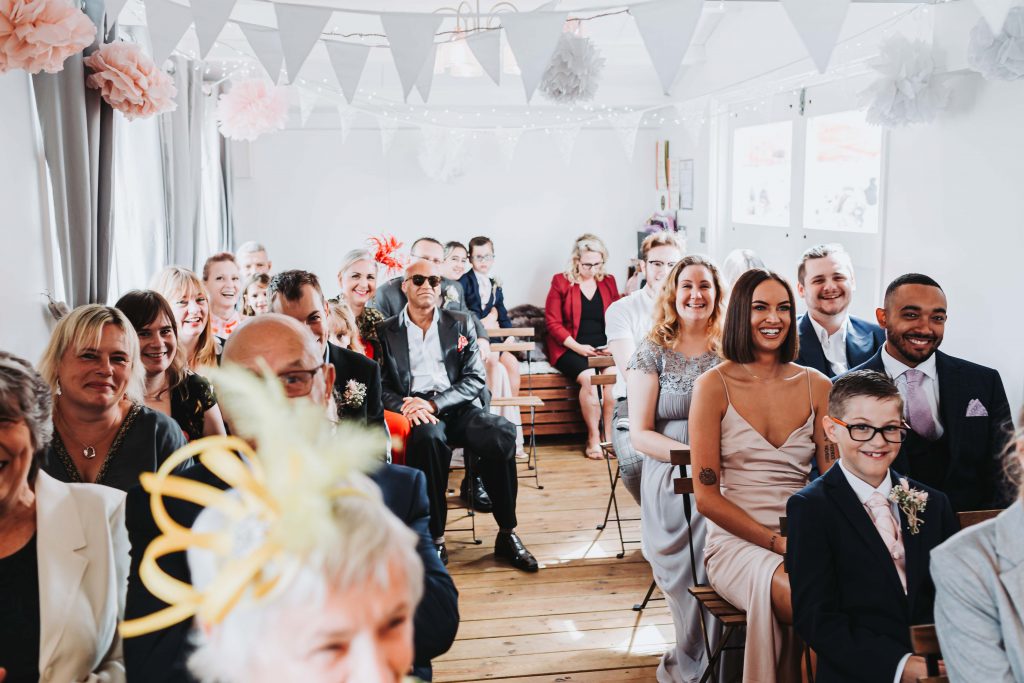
pixel 534 456
pixel 713 661
pixel 611 496
pixel 641 606
pixel 472 495
pixel 618 519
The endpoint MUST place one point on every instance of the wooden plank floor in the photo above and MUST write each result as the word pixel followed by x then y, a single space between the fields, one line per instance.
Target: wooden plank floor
pixel 572 621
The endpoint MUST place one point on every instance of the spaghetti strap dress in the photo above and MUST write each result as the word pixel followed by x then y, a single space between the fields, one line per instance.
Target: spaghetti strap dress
pixel 758 478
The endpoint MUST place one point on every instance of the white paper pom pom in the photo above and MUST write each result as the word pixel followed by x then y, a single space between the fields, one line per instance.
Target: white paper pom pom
pixel 908 89
pixel 572 76
pixel 999 57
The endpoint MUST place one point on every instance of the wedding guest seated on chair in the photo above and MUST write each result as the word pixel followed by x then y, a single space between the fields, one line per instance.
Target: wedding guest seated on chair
pixel 342 325
pixel 683 343
pixel 63 551
pixel 859 539
pixel 433 375
pixel 627 323
pixel 191 304
pixel 574 313
pixel 103 432
pixel 957 410
pixel 223 281
pixel 755 429
pixel 252 259
pixel 254 295
pixel 831 340
pixel 286 347
pixel 979 603
pixel 297 294
pixel 171 387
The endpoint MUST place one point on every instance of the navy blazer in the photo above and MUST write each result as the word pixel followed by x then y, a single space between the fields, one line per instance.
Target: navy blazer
pixel 161 657
pixel 481 309
pixel 848 602
pixel 863 339
pixel 975 479
pixel 349 365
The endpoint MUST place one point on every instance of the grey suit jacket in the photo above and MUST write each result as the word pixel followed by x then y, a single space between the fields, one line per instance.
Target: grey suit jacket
pixel 979 600
pixel 390 300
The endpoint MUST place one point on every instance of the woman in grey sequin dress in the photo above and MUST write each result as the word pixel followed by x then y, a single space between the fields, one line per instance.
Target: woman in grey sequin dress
pixel 682 345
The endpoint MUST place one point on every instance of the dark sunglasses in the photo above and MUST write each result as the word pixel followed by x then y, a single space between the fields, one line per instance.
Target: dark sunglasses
pixel 418 280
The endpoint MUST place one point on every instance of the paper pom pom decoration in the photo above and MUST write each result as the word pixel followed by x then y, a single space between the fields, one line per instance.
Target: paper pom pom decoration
pixel 999 57
pixel 252 108
pixel 129 81
pixel 908 89
pixel 38 35
pixel 572 76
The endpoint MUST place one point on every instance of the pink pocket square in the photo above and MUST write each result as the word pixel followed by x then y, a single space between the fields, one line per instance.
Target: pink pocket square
pixel 976 409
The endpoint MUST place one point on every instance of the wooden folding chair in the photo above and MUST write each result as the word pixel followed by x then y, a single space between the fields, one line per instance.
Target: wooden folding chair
pixel 529 401
pixel 471 508
pixel 805 649
pixel 925 643
pixel 732 618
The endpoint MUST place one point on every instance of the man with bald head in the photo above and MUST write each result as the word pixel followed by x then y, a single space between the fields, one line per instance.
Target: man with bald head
pixel 284 346
pixel 434 376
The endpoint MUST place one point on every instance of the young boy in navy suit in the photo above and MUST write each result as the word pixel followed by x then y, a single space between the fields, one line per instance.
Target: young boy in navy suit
pixel 859 541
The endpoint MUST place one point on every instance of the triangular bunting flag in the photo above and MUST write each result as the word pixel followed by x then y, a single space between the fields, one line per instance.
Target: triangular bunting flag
pixel 347 116
pixel 508 141
pixel 667 27
pixel 626 126
pixel 486 47
pixel 388 128
pixel 307 103
pixel 533 37
pixel 210 17
pixel 426 78
pixel 818 22
pixel 565 140
pixel 113 9
pixel 995 12
pixel 299 28
pixel 348 60
pixel 411 37
pixel 167 22
pixel 266 44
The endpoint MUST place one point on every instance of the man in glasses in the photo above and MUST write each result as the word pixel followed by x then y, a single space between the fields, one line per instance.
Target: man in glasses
pixel 626 322
pixel 297 294
pixel 859 541
pixel 283 345
pixel 433 375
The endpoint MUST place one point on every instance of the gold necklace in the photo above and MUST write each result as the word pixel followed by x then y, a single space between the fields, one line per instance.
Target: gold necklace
pixel 760 379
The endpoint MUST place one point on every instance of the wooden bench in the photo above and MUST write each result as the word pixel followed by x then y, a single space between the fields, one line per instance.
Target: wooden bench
pixel 560 414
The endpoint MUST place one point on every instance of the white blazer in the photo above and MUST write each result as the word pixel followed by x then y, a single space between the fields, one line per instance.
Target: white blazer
pixel 82 548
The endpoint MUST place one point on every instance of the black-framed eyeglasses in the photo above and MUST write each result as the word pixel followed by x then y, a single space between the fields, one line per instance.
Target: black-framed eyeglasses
pixel 865 432
pixel 483 258
pixel 298 383
pixel 662 264
pixel 589 266
pixel 418 280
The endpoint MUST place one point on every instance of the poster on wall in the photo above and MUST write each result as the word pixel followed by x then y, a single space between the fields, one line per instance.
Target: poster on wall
pixel 762 162
pixel 685 177
pixel 843 168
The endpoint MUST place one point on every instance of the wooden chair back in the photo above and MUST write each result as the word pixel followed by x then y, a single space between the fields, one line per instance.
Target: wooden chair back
pixel 925 643
pixel 509 331
pixel 600 361
pixel 972 517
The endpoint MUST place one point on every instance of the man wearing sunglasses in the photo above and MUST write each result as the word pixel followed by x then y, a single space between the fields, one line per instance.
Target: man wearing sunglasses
pixel 433 375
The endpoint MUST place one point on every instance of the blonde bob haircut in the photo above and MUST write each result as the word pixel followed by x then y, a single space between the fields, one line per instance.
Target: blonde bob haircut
pixel 665 329
pixel 175 282
pixel 585 242
pixel 81 329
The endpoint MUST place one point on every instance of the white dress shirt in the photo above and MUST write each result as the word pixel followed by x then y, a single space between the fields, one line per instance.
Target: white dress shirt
pixel 863 491
pixel 929 385
pixel 483 283
pixel 631 317
pixel 426 359
pixel 833 346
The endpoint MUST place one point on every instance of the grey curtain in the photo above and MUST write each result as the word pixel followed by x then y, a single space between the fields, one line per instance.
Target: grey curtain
pixel 77 130
pixel 226 237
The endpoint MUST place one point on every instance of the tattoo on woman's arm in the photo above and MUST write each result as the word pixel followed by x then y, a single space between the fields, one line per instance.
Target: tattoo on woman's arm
pixel 707 476
pixel 831 452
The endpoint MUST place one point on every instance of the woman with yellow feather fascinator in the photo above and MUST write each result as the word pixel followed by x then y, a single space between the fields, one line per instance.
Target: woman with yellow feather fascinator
pixel 299 571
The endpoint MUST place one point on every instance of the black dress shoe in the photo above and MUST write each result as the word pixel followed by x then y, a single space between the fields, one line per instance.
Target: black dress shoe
pixel 510 547
pixel 481 502
pixel 442 552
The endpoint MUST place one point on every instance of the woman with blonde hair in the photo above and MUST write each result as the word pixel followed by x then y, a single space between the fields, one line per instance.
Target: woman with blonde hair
pixel 684 342
pixel 574 314
pixel 103 433
pixel 191 304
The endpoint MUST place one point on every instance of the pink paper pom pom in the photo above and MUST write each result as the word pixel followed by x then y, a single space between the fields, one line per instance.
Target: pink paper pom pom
pixel 38 35
pixel 129 81
pixel 250 109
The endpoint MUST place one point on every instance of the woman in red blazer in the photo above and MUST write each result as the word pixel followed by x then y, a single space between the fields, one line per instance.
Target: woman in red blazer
pixel 574 313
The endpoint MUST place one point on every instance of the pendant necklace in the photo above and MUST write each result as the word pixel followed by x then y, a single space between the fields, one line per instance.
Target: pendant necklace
pixel 751 373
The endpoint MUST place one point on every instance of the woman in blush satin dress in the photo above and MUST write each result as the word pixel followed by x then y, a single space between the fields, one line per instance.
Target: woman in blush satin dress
pixel 755 427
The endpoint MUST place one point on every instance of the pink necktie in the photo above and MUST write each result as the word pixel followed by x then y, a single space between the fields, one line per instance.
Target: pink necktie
pixel 888 529
pixel 919 413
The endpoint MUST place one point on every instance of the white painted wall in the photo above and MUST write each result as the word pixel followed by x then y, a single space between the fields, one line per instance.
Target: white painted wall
pixel 310 199
pixel 24 257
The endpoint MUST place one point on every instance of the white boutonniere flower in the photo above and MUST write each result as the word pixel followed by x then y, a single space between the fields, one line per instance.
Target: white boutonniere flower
pixel 911 501
pixel 496 282
pixel 354 395
pixel 451 295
